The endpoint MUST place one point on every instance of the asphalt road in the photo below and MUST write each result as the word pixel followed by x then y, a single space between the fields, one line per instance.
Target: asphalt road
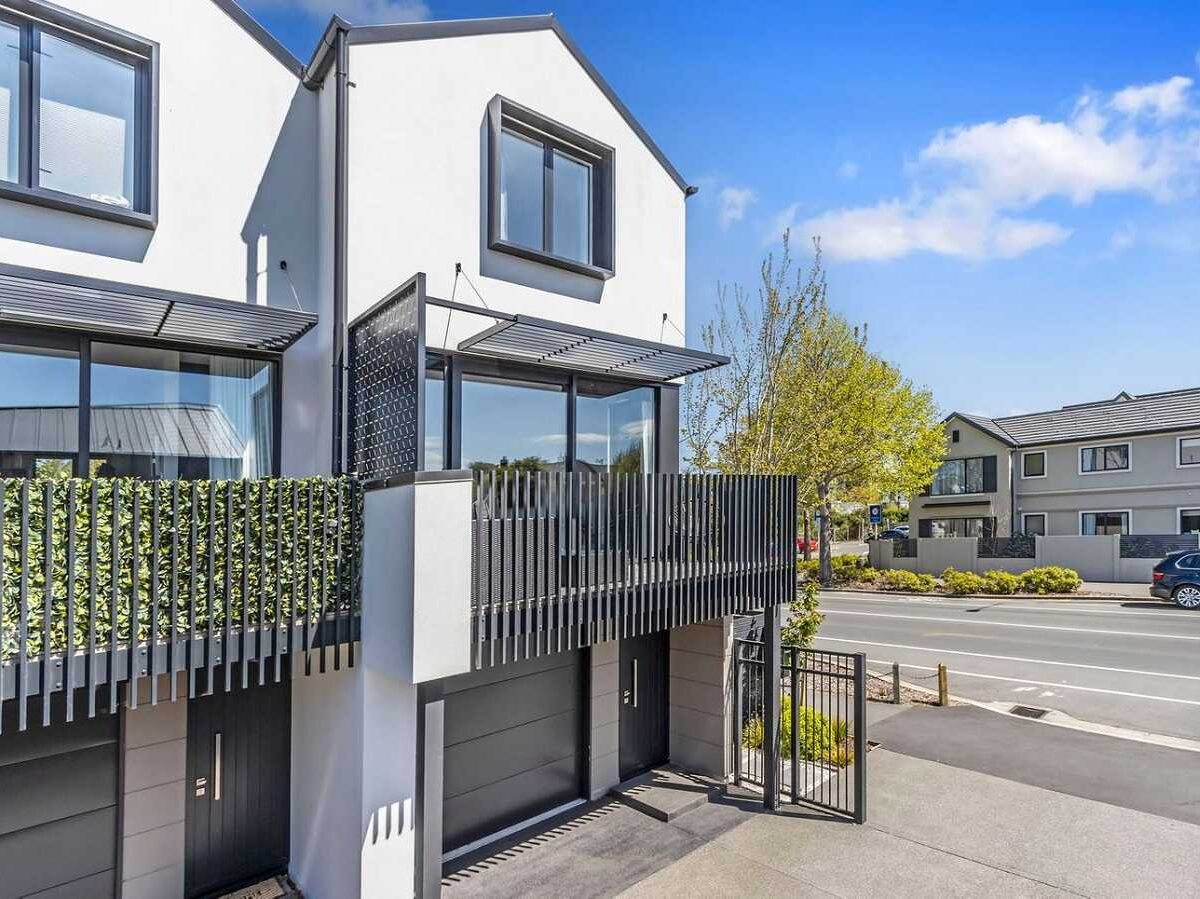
pixel 1133 664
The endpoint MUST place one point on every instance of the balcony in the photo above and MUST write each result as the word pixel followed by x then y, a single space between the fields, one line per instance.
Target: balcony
pixel 561 561
pixel 110 581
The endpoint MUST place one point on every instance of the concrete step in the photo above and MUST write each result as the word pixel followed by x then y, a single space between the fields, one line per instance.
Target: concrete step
pixel 666 793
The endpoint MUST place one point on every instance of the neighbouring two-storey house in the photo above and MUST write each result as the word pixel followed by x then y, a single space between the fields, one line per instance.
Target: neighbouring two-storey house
pixel 1128 465
pixel 342 521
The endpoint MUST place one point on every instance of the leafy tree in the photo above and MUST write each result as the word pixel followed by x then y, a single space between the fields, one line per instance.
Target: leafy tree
pixel 805 620
pixel 804 395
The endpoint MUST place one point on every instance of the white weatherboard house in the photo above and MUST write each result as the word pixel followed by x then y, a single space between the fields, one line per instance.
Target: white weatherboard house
pixel 342 521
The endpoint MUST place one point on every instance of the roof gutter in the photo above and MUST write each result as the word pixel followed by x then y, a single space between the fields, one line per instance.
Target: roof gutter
pixel 341 61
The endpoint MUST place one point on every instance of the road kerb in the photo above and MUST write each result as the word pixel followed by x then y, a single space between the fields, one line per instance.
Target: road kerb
pixel 1055 718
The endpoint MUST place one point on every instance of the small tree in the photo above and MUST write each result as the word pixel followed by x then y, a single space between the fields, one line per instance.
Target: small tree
pixel 805 619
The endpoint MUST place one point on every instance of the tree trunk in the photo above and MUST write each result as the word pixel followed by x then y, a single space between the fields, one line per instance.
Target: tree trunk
pixel 807 551
pixel 826 536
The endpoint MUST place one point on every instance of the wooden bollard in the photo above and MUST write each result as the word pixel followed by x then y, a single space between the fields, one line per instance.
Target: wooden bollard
pixel 895 683
pixel 943 685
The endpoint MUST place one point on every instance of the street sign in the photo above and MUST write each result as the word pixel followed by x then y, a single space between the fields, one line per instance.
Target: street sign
pixel 876 513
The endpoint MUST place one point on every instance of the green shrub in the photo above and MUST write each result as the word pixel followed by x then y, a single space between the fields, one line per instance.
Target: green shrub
pixel 1050 579
pixel 819 737
pixel 866 575
pixel 846 567
pixel 809 570
pixel 907 581
pixel 1002 583
pixel 962 581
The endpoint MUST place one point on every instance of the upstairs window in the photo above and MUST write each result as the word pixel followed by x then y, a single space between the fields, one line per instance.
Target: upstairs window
pixel 1033 465
pixel 1096 459
pixel 1189 451
pixel 76 117
pixel 550 198
pixel 958 476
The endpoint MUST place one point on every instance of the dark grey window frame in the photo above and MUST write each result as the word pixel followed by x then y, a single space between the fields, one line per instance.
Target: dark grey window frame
pixel 82 344
pixel 35 18
pixel 964 460
pixel 504 114
pixel 455 364
pixel 1103 450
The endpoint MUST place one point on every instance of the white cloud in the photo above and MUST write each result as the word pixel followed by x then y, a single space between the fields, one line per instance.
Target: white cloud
pixel 734 203
pixel 1122 239
pixel 848 170
pixel 357 12
pixel 1164 100
pixel 974 185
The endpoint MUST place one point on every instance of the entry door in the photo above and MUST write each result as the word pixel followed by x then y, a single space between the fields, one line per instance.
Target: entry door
pixel 643 720
pixel 239 764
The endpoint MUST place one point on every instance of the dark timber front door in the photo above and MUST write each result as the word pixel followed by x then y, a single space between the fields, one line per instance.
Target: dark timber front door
pixel 643 724
pixel 239 762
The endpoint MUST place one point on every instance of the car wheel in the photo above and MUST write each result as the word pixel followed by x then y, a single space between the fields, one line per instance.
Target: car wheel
pixel 1188 596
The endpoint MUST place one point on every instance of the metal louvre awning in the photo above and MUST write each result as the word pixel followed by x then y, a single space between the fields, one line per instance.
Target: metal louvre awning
pixel 55 300
pixel 527 339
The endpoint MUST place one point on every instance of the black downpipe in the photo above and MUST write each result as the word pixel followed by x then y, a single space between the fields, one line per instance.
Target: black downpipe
pixel 341 84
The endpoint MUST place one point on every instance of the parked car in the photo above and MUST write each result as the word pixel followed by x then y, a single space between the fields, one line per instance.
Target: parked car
pixel 812 544
pixel 896 533
pixel 1177 577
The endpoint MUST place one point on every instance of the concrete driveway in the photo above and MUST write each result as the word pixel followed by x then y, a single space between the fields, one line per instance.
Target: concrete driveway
pixel 934 830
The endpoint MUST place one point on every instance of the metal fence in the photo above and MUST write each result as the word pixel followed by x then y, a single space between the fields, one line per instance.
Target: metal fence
pixel 823 726
pixel 1155 546
pixel 564 560
pixel 904 548
pixel 109 581
pixel 386 388
pixel 1018 547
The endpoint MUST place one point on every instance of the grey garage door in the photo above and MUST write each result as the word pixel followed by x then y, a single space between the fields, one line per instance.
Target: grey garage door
pixel 58 806
pixel 514 745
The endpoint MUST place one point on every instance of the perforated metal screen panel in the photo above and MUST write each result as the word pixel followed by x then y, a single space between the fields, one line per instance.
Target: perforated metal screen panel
pixel 386 385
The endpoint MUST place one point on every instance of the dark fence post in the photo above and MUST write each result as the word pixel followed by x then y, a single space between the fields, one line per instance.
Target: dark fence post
pixel 860 738
pixel 771 703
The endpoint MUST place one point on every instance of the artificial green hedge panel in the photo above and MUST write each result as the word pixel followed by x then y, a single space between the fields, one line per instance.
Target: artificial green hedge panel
pixel 229 550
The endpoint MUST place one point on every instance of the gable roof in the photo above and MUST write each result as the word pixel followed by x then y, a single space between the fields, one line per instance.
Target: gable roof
pixel 265 39
pixel 987 425
pixel 1124 415
pixel 319 65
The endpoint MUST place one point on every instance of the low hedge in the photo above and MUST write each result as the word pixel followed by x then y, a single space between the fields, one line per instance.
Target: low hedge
pixel 1001 583
pixel 847 569
pixel 1050 579
pixel 904 581
pixel 959 582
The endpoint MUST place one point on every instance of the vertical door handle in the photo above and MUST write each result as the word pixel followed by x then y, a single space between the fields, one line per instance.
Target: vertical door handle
pixel 217 767
pixel 635 683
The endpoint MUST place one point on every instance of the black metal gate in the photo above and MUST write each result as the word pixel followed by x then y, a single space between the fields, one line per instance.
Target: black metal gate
pixel 823 726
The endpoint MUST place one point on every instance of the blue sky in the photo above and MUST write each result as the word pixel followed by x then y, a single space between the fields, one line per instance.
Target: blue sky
pixel 1007 193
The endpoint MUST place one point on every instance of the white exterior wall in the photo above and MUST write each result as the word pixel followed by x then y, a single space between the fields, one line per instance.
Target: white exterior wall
pixel 418 186
pixel 237 164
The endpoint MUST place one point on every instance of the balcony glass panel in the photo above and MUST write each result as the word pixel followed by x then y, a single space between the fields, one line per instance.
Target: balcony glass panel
pixel 509 424
pixel 614 428
pixel 39 411
pixel 435 414
pixel 167 414
pixel 10 100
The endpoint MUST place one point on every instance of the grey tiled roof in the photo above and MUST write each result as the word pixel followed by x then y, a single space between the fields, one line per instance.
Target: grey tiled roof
pixel 1121 416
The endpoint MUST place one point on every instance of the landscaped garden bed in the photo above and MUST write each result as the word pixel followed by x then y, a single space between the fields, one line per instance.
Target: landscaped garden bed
pixel 853 571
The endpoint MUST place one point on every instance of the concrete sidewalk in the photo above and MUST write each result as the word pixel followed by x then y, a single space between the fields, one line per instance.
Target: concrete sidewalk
pixel 935 830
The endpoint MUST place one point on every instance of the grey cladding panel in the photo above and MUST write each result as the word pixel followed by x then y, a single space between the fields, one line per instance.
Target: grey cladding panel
pixel 61 854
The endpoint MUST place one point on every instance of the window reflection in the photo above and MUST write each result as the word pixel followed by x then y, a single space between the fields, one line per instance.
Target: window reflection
pixel 10 100
pixel 509 424
pixel 614 428
pixel 39 411
pixel 167 414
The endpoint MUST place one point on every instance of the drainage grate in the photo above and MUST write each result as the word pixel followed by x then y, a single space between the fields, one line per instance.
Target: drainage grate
pixel 1028 711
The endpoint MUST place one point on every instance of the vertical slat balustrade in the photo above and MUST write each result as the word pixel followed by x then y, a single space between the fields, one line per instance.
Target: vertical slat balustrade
pixel 564 560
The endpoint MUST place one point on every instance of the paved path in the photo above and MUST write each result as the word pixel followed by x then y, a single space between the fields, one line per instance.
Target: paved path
pixel 1130 664
pixel 935 830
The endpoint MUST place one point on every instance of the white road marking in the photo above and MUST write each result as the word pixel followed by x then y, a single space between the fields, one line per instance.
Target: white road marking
pixel 1009 606
pixel 984 655
pixel 1040 683
pixel 1040 627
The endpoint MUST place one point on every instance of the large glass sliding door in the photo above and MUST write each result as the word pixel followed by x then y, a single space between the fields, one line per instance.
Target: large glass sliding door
pixel 513 424
pixel 614 428
pixel 149 412
pixel 39 409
